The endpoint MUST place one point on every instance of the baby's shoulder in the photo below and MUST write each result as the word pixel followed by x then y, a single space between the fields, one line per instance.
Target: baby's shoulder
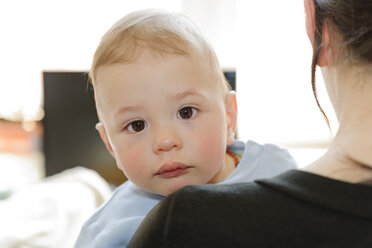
pixel 126 202
pixel 268 151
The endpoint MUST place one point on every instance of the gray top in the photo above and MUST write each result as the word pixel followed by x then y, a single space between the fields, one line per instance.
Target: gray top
pixel 294 209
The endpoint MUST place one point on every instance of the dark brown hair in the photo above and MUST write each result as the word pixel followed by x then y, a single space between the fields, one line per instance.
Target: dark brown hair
pixel 352 19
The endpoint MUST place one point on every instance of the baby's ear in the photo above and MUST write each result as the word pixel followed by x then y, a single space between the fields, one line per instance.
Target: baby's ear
pixel 102 132
pixel 231 116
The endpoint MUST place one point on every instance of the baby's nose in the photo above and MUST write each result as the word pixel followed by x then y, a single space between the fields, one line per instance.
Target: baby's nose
pixel 166 139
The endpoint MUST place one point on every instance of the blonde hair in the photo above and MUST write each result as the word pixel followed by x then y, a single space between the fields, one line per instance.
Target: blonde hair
pixel 156 31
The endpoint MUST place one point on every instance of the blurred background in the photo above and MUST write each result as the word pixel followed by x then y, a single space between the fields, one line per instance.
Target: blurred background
pixel 47 113
pixel 46 109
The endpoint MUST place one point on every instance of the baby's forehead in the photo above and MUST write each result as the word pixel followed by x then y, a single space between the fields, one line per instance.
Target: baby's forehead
pixel 204 66
pixel 114 92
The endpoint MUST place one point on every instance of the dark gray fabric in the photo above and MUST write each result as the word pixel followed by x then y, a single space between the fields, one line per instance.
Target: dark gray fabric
pixel 295 209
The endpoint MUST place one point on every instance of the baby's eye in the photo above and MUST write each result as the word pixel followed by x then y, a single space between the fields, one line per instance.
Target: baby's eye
pixel 186 112
pixel 136 126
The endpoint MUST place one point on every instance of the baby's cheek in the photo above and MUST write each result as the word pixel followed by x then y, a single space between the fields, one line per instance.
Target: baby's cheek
pixel 212 147
pixel 132 162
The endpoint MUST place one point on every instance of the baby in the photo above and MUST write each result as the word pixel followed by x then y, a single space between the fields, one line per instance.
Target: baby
pixel 168 117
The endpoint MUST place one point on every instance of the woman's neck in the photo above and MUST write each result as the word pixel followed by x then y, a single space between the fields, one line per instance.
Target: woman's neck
pixel 337 163
pixel 349 157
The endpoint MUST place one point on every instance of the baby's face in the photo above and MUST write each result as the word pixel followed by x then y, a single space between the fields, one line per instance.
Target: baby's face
pixel 164 121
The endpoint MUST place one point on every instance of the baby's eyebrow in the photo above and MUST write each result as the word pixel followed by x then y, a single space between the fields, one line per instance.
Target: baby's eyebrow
pixel 183 94
pixel 128 109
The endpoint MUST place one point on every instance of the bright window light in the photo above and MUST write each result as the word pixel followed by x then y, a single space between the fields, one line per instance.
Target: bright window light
pixel 275 99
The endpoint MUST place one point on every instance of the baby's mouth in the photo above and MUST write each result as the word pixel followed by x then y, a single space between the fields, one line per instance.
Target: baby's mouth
pixel 172 170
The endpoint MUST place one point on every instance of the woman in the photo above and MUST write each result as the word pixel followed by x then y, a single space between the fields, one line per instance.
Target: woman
pixel 328 203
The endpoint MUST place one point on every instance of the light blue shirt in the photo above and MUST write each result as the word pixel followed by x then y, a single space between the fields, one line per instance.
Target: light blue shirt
pixel 114 223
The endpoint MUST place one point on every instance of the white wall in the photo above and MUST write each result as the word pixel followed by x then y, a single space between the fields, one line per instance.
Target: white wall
pixel 273 72
pixel 217 19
